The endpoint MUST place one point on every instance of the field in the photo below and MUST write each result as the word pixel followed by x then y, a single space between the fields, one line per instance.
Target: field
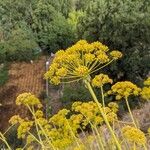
pixel 23 77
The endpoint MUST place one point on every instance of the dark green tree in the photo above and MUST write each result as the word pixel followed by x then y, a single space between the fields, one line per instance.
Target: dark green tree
pixel 20 45
pixel 123 25
pixel 63 6
pixel 52 29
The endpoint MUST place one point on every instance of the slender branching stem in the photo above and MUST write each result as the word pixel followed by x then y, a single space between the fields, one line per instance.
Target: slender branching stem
pixel 103 114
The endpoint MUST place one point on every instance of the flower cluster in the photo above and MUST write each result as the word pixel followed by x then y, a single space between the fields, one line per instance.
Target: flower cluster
pixel 134 135
pixel 24 128
pixel 146 93
pixel 116 54
pixel 28 99
pixel 100 80
pixel 15 119
pixel 79 61
pixel 147 82
pixel 124 89
pixel 91 113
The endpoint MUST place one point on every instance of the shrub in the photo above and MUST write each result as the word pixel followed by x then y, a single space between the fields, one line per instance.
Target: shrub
pixel 122 25
pixel 78 93
pixel 20 46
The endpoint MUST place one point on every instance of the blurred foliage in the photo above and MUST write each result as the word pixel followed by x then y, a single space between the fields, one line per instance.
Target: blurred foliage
pixel 123 25
pixel 63 6
pixel 73 20
pixel 19 46
pixel 76 92
pixel 44 19
pixel 12 138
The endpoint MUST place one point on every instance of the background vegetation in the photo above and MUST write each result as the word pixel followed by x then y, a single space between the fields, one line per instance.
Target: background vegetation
pixel 27 26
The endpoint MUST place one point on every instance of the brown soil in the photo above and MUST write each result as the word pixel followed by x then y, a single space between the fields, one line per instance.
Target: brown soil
pixel 23 77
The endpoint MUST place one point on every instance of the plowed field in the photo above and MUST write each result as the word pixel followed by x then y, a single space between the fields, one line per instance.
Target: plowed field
pixel 23 77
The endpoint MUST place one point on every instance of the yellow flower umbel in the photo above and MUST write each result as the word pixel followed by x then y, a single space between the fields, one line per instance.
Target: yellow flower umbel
pixel 100 80
pixel 28 99
pixel 79 61
pixel 146 93
pixel 24 128
pixel 124 89
pixel 91 113
pixel 146 90
pixel 147 82
pixel 134 135
pixel 15 119
pixel 116 54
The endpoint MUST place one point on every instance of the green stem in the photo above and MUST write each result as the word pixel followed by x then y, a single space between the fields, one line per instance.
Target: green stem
pixel 99 137
pixel 103 114
pixel 102 92
pixel 74 136
pixel 128 106
pixel 4 140
pixel 134 146
pixel 36 126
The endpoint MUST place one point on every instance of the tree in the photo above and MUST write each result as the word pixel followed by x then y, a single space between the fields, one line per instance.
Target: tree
pixel 63 6
pixel 20 45
pixel 123 25
pixel 46 23
pixel 51 27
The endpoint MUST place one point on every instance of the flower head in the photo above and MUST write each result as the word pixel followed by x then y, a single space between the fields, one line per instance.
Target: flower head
pixel 134 135
pixel 27 99
pixel 116 54
pixel 147 82
pixel 15 119
pixel 146 90
pixel 124 89
pixel 146 93
pixel 100 80
pixel 79 61
pixel 23 128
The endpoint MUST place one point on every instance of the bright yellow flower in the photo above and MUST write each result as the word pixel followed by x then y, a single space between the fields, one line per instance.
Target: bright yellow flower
pixel 27 99
pixel 100 80
pixel 124 89
pixel 114 106
pixel 55 80
pixel 78 62
pixel 15 119
pixel 30 139
pixel 116 54
pixel 146 93
pixel 99 46
pixel 23 128
pixel 39 114
pixel 147 82
pixel 61 72
pixel 103 58
pixel 89 57
pixel 134 135
pixel 81 71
